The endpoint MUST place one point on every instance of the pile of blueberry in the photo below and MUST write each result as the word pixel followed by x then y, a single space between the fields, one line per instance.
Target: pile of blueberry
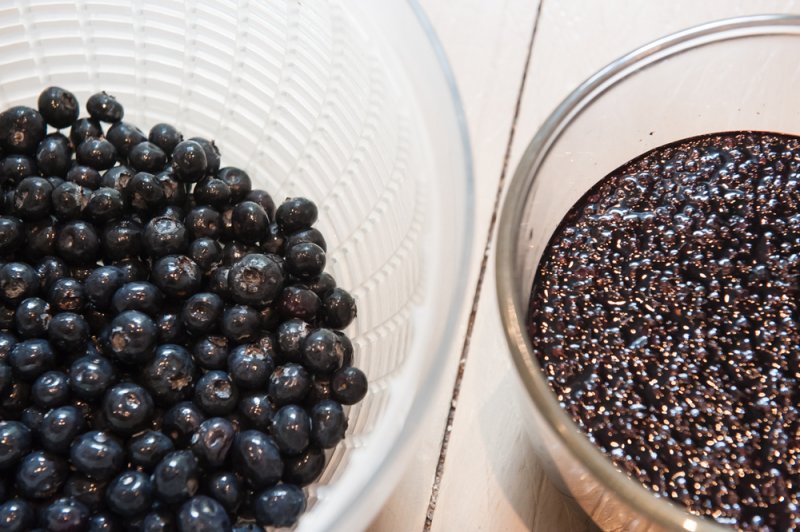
pixel 171 354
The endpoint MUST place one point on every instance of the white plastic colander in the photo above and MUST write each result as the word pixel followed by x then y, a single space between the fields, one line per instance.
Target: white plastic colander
pixel 346 102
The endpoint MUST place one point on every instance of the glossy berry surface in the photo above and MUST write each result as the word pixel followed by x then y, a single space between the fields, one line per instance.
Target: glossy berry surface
pixel 169 340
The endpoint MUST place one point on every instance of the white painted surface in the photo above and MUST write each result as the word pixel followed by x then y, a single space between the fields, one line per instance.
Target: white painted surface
pixel 491 478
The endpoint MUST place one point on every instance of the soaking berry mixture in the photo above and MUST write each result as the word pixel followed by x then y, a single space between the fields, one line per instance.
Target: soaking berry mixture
pixel 665 317
pixel 171 354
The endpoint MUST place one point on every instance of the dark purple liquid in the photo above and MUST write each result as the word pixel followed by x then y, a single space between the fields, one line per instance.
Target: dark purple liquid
pixel 665 315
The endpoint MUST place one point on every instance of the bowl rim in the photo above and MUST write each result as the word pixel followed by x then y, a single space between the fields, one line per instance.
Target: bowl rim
pixel 513 306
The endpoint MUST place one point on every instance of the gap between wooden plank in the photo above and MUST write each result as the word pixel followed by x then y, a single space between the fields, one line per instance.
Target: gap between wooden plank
pixel 476 298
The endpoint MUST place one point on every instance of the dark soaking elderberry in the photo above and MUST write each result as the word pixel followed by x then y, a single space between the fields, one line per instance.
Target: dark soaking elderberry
pixel 171 353
pixel 664 315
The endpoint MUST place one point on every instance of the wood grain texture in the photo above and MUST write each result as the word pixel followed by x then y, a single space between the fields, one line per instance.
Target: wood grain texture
pixel 486 43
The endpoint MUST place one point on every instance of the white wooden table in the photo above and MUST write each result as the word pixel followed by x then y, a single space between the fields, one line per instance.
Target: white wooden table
pixel 514 61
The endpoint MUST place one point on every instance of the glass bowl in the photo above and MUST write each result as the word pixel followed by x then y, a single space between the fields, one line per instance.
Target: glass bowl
pixel 348 103
pixel 732 75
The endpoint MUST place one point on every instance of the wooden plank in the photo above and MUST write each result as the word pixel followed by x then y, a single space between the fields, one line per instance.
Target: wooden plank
pixel 486 42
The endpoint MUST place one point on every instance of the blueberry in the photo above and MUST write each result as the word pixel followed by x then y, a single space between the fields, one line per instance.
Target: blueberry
pixel 65 515
pixel 18 281
pixel 241 323
pixel 50 389
pixel 304 468
pixel 249 366
pixel 132 269
pixel 216 393
pixel 15 442
pixel 31 358
pixel 32 198
pixel 320 391
pixel 129 494
pixel 77 243
pixel 339 308
pixel 138 295
pixel 104 107
pixel 97 454
pixel 291 429
pixel 176 477
pixel 235 251
pixel 122 239
pixel 296 214
pixel 206 252
pixel 165 136
pixel 59 427
pixel 298 302
pixel 177 275
pixel 328 423
pixel 201 312
pixel 257 411
pixel 170 374
pixel 127 407
pixel 275 242
pixel 289 383
pixel 212 154
pixel 218 281
pixel 96 153
pixel 105 204
pixel 7 341
pixel 170 327
pixel 307 236
pixel 11 234
pixel 202 514
pixel 322 351
pixel 84 128
pixel 66 295
pixel 53 155
pixel 22 128
pixel 348 385
pixel 233 176
pixel 305 260
pixel 40 238
pixel 225 488
pixel 84 176
pixel 40 475
pixel 175 192
pixel 255 280
pixel 181 421
pixel 90 376
pixel 290 335
pixel 68 332
pixel 145 193
pixel 132 337
pixel 146 450
pixel 6 317
pixel 160 520
pixel 124 137
pixel 147 157
pixel 279 506
pixel 88 491
pixel 190 161
pixel 32 317
pixel 58 107
pixel 102 522
pixel 213 192
pixel 203 221
pixel 101 285
pixel 211 352
pixel 118 178
pixel 257 459
pixel 250 222
pixel 69 200
pixel 16 515
pixel 212 441
pixel 14 168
